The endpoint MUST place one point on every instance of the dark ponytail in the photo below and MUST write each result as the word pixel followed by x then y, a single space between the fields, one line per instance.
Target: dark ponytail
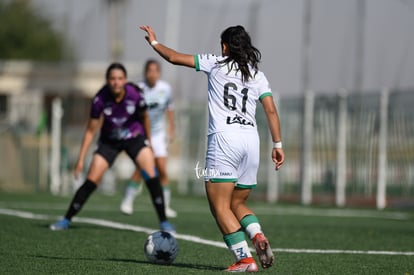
pixel 241 51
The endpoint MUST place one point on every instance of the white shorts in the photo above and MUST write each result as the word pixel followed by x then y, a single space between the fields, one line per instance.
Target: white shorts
pixel 233 157
pixel 159 144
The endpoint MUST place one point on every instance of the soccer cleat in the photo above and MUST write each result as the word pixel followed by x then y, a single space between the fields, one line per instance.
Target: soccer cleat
pixel 263 250
pixel 127 206
pixel 244 265
pixel 167 227
pixel 170 213
pixel 62 224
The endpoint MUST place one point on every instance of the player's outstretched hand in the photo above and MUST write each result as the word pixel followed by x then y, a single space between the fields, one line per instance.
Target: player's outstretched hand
pixel 278 157
pixel 150 33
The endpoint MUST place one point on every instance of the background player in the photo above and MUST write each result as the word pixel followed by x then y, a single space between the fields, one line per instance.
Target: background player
pixel 235 84
pixel 158 96
pixel 121 108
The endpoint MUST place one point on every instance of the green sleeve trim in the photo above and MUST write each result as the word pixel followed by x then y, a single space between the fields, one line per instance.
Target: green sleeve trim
pixel 242 186
pixel 196 63
pixel 264 95
pixel 223 180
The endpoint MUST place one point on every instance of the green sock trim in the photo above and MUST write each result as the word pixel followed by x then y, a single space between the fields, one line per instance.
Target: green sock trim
pixel 249 219
pixel 133 184
pixel 233 238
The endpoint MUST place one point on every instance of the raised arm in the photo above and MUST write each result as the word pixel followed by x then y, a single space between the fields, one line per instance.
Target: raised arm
pixel 168 54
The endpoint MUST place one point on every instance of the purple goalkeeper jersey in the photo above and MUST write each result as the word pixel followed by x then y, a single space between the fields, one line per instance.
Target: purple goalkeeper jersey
pixel 121 120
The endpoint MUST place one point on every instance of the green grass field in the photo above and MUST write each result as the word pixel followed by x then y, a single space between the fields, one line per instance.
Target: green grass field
pixel 307 240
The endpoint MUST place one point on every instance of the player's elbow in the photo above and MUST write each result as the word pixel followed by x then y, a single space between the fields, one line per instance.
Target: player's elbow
pixel 270 110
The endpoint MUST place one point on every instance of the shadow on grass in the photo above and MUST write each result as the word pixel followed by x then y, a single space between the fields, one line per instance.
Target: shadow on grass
pixel 186 265
pixel 178 265
pixel 76 226
pixel 47 226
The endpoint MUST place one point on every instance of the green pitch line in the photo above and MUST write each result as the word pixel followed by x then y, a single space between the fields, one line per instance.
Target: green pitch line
pixel 192 238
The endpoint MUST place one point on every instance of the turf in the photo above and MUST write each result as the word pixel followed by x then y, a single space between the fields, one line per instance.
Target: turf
pixel 27 246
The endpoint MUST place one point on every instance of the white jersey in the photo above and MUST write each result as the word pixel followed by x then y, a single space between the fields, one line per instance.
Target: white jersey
pixel 159 100
pixel 231 103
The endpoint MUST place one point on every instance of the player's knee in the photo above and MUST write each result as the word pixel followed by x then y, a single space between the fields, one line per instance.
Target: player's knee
pixel 149 174
pixel 236 203
pixel 96 179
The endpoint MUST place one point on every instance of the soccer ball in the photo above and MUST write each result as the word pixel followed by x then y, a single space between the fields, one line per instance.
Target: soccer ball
pixel 161 248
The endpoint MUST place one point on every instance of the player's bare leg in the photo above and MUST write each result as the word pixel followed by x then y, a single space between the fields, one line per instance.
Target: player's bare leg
pixel 251 226
pixel 220 196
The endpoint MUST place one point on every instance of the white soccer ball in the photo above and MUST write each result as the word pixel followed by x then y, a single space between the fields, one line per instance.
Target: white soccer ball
pixel 161 248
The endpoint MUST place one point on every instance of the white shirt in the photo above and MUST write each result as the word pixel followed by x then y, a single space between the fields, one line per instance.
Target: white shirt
pixel 159 99
pixel 231 103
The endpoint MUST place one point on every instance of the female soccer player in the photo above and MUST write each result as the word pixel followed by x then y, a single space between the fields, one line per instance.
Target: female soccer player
pixel 121 108
pixel 234 86
pixel 158 96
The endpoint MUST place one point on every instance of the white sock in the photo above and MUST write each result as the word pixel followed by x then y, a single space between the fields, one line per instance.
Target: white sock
pixel 237 244
pixel 251 226
pixel 167 196
pixel 240 250
pixel 252 229
pixel 131 191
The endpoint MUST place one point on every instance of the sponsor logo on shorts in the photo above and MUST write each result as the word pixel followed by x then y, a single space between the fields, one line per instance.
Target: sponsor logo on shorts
pixel 226 173
pixel 205 172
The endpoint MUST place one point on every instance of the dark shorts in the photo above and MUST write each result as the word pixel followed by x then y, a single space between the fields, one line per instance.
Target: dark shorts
pixel 109 150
